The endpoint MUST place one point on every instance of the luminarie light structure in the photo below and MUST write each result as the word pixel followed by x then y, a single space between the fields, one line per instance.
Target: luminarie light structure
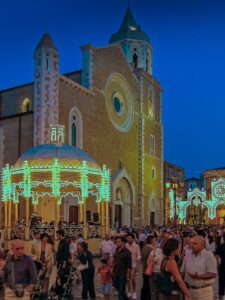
pixel 55 171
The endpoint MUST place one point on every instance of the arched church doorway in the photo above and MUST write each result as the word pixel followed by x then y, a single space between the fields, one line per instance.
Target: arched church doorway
pixel 73 214
pixel 118 214
pixel 220 214
pixel 123 204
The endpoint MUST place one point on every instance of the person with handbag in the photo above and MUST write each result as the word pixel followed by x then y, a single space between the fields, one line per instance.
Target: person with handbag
pixel 20 275
pixel 87 269
pixel 170 282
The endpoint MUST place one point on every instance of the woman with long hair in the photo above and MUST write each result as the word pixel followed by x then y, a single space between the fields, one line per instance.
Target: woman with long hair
pixel 170 282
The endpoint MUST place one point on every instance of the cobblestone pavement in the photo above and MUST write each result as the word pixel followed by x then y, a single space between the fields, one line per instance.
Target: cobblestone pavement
pixel 77 288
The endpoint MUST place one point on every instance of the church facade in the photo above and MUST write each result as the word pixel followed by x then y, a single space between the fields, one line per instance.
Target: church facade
pixel 111 109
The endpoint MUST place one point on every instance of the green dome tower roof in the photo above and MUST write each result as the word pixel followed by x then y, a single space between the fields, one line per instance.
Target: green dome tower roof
pixel 134 42
pixel 129 29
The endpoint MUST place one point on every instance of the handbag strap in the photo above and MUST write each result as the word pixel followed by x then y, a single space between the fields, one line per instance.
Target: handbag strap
pixel 163 263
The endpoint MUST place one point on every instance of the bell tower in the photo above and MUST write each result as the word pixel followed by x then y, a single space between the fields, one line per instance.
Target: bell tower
pixel 46 80
pixel 134 42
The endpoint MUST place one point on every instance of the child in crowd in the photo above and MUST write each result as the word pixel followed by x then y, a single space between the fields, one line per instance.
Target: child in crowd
pixel 105 276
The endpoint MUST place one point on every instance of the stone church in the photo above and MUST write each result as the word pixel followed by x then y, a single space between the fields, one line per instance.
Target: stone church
pixel 111 109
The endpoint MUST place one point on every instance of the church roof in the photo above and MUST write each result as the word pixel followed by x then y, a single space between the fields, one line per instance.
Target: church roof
pixel 46 42
pixel 129 29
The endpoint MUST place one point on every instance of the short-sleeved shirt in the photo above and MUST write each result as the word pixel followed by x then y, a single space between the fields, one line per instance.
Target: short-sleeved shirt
pixel 122 261
pixel 73 247
pixel 135 253
pixel 144 256
pixel 107 247
pixel 157 257
pixel 201 263
pixel 24 270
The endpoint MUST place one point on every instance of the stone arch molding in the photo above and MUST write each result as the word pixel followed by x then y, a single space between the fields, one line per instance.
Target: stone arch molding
pixel 120 179
pixel 79 126
pixel 122 184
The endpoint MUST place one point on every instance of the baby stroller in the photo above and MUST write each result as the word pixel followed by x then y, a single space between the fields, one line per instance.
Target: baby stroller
pixel 37 292
pixel 62 289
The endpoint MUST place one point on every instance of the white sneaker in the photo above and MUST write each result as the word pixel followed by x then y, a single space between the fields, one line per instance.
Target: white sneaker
pixel 129 295
pixel 134 296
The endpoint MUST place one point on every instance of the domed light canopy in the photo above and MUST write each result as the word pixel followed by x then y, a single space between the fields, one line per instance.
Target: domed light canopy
pixel 55 170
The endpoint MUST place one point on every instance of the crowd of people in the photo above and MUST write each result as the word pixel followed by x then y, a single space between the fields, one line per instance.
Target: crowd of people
pixel 175 262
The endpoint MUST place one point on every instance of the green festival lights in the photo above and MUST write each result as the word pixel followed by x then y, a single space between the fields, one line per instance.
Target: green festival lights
pixel 197 197
pixel 17 181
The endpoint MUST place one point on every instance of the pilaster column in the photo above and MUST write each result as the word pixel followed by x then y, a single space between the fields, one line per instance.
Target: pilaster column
pixel 81 213
pixel 9 219
pixel 35 208
pixel 106 217
pixel 85 229
pixel 6 217
pixel 57 211
pixel 27 229
pixel 57 215
pixel 103 220
pixel 99 212
pixel 16 212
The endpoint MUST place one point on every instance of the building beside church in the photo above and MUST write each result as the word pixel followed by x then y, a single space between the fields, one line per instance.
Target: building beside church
pixel 111 109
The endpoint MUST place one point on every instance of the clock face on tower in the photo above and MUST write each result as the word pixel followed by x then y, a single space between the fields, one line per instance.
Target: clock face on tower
pixel 219 190
pixel 119 102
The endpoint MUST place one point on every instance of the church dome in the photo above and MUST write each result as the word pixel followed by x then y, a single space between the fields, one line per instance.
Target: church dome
pixel 55 151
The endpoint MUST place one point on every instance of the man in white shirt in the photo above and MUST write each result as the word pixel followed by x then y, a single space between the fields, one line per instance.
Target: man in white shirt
pixel 136 258
pixel 73 249
pixel 106 248
pixel 199 270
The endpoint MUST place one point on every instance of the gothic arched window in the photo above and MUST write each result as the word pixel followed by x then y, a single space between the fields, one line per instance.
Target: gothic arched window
pixel 25 107
pixel 73 135
pixel 135 60
pixel 75 128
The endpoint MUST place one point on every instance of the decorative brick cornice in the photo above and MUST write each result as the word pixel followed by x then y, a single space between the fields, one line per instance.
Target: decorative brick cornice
pixel 77 86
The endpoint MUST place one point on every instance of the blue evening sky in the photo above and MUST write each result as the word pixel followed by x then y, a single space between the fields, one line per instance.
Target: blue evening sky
pixel 188 38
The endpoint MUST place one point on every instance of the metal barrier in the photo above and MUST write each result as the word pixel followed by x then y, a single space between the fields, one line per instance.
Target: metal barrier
pixel 93 231
pixel 48 229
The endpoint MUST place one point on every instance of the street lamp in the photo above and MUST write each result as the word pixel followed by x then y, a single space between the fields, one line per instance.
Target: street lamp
pixel 176 185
